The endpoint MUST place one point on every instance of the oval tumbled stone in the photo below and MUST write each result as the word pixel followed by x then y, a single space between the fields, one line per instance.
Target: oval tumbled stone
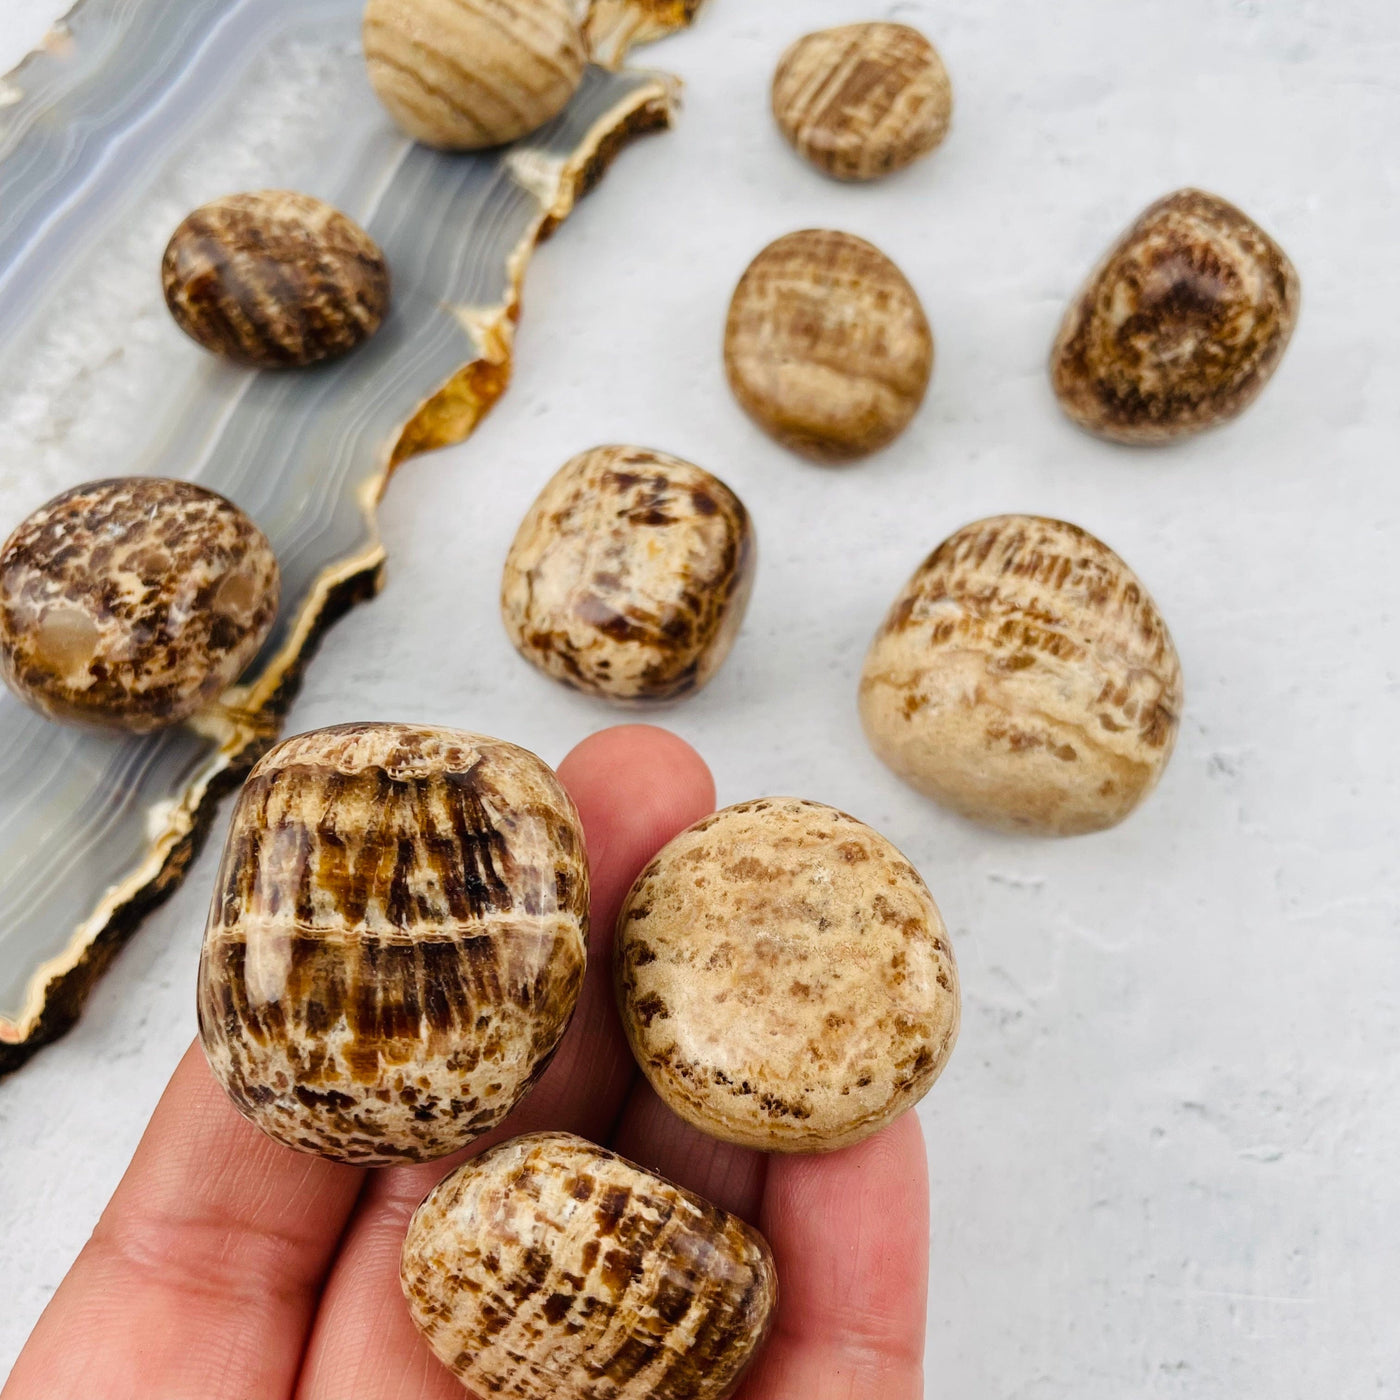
pixel 551 1269
pixel 463 74
pixel 784 977
pixel 1180 326
pixel 134 602
pixel 629 575
pixel 862 100
pixel 1025 678
pixel 274 279
pixel 826 346
pixel 397 939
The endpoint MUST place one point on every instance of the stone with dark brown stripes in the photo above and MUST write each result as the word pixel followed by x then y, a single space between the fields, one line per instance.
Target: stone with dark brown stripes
pixel 465 74
pixel 1179 327
pixel 134 602
pixel 274 279
pixel 396 942
pixel 629 575
pixel 1025 678
pixel 551 1269
pixel 862 100
pixel 784 977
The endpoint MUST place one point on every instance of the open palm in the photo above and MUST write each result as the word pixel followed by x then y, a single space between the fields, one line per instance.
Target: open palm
pixel 229 1268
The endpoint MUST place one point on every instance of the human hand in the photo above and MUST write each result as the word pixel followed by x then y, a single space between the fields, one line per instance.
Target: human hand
pixel 227 1267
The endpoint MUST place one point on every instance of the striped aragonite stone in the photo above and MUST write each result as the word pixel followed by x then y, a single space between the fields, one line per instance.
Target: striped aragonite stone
pixel 134 602
pixel 397 939
pixel 785 978
pixel 862 100
pixel 826 346
pixel 1025 678
pixel 629 575
pixel 465 74
pixel 274 279
pixel 1180 326
pixel 551 1269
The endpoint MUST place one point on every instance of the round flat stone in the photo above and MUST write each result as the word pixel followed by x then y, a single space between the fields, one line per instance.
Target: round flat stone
pixel 465 74
pixel 784 977
pixel 1025 678
pixel 397 939
pixel 826 346
pixel 629 575
pixel 274 279
pixel 862 100
pixel 1180 327
pixel 132 603
pixel 551 1269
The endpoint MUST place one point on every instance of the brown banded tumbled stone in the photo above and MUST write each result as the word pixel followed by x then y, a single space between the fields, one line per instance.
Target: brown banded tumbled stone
pixel 862 100
pixel 1180 326
pixel 629 575
pixel 826 346
pixel 465 74
pixel 274 279
pixel 132 603
pixel 1025 678
pixel 396 942
pixel 784 977
pixel 551 1269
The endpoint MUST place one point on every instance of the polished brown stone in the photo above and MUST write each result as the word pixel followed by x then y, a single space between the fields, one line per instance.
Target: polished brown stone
pixel 784 977
pixel 1181 325
pixel 463 74
pixel 629 575
pixel 551 1269
pixel 274 279
pixel 132 603
pixel 397 939
pixel 826 346
pixel 1025 678
pixel 862 100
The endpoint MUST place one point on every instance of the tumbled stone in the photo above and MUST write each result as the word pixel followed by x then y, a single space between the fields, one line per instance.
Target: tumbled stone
pixel 551 1269
pixel 629 575
pixel 464 74
pixel 1180 326
pixel 132 603
pixel 274 279
pixel 827 347
pixel 785 978
pixel 862 100
pixel 397 939
pixel 1025 678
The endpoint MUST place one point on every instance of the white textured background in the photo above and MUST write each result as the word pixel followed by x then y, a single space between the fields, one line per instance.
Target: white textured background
pixel 1166 1154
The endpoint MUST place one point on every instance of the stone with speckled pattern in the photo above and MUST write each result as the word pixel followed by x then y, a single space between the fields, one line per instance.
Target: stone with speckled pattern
pixel 1180 327
pixel 551 1269
pixel 1025 678
pixel 397 939
pixel 785 978
pixel 132 603
pixel 629 575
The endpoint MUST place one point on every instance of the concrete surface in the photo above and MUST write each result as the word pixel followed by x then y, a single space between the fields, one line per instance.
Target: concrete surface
pixel 1164 1153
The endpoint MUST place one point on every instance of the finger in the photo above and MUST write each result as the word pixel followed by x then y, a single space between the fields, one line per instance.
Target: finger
pixel 654 1137
pixel 635 787
pixel 850 1236
pixel 202 1275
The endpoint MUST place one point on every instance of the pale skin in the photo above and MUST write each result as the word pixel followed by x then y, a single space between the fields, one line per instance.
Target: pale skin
pixel 227 1267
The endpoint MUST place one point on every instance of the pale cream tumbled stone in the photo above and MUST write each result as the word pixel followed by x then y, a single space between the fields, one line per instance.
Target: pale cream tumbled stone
pixel 629 576
pixel 551 1269
pixel 464 74
pixel 1025 678
pixel 784 977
